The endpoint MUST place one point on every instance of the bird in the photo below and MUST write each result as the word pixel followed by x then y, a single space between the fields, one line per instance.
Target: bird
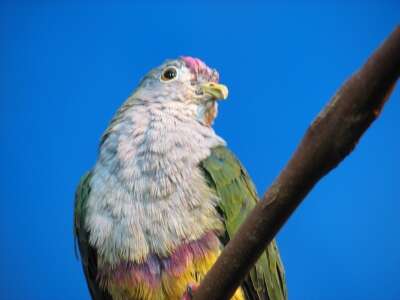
pixel 166 194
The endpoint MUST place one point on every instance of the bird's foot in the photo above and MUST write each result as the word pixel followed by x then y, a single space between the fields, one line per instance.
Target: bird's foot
pixel 190 289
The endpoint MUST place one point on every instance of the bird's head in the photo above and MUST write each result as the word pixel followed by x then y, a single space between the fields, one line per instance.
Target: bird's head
pixel 186 80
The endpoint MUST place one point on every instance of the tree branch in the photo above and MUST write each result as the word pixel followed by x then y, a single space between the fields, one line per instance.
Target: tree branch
pixel 330 138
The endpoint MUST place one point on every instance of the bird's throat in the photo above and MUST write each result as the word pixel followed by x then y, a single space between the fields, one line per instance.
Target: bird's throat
pixel 210 113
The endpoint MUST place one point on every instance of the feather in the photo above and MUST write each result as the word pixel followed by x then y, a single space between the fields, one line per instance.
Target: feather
pixel 238 196
pixel 87 253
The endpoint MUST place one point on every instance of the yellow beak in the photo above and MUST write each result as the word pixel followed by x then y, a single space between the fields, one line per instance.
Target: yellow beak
pixel 216 90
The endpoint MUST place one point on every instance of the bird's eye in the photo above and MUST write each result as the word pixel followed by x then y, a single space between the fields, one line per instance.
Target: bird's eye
pixel 169 74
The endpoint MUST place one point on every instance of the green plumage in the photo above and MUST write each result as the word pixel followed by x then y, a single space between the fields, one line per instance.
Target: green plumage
pixel 238 197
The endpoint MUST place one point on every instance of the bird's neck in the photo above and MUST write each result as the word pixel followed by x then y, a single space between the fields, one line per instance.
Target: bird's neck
pixel 158 131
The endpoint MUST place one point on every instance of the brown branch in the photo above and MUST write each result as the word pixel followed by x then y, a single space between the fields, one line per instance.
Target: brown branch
pixel 330 138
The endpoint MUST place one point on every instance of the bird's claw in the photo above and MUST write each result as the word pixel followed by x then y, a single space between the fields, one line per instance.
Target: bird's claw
pixel 190 289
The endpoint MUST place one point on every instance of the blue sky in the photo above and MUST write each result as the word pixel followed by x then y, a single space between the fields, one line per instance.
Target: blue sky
pixel 67 66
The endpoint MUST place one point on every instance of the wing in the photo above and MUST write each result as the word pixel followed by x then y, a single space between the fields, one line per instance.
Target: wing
pixel 87 253
pixel 225 174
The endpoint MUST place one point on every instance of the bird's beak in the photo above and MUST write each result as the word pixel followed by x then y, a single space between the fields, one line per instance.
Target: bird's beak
pixel 215 90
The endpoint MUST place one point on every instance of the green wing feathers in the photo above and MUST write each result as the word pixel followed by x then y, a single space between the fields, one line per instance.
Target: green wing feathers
pixel 82 193
pixel 238 197
pixel 87 253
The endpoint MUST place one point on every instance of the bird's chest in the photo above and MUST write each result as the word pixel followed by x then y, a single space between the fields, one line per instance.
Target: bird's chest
pixel 149 206
pixel 163 233
pixel 151 216
pixel 148 193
